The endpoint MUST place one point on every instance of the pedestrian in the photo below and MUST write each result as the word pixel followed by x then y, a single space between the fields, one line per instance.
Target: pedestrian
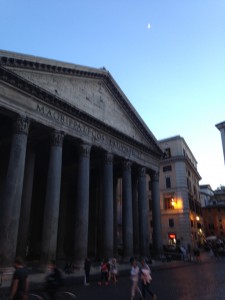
pixel 20 284
pixel 114 270
pixel 87 269
pixel 104 272
pixel 134 272
pixel 53 281
pixel 146 279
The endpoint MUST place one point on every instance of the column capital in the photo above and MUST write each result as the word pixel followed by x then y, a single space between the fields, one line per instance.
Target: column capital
pixel 108 158
pixel 142 171
pixel 57 138
pixel 127 165
pixel 84 149
pixel 154 175
pixel 21 125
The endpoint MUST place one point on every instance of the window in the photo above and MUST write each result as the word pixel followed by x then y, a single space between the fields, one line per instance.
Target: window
pixel 199 225
pixel 171 222
pixel 167 168
pixel 211 226
pixel 168 203
pixel 167 153
pixel 168 183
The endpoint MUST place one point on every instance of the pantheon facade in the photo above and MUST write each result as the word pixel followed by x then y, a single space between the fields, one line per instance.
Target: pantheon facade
pixel 67 135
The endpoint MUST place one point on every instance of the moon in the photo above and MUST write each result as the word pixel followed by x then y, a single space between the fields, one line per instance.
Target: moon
pixel 149 26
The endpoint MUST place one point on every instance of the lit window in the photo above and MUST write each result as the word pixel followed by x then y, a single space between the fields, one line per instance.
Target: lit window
pixel 169 203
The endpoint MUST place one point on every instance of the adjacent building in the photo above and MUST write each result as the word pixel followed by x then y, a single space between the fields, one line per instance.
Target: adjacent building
pixel 180 202
pixel 213 211
pixel 221 128
pixel 68 134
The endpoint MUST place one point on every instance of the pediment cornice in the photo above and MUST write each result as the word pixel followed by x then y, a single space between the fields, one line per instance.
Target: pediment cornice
pixel 13 79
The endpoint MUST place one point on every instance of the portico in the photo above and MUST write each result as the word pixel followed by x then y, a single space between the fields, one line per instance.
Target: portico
pixel 67 134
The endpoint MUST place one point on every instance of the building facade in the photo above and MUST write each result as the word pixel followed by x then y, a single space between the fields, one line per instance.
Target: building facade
pixel 68 134
pixel 182 222
pixel 213 212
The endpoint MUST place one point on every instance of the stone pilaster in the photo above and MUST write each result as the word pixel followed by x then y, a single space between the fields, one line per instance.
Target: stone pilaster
pixel 10 198
pixel 143 214
pixel 82 205
pixel 107 206
pixel 156 213
pixel 127 211
pixel 52 199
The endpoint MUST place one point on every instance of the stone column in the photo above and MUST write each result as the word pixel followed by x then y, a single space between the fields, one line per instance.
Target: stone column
pixel 156 214
pixel 143 214
pixel 52 199
pixel 127 211
pixel 135 213
pixel 10 198
pixel 115 221
pixel 82 205
pixel 23 234
pixel 107 206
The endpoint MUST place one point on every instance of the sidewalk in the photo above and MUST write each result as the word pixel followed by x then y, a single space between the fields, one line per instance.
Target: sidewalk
pixel 36 278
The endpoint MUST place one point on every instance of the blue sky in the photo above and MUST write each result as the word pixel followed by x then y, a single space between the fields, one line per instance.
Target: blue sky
pixel 173 72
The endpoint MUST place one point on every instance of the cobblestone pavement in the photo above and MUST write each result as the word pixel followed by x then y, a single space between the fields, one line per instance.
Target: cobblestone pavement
pixel 204 280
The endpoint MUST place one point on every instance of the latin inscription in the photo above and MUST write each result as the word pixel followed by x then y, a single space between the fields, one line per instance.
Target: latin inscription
pixel 85 130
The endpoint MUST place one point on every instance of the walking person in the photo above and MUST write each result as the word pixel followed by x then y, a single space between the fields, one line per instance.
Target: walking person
pixel 114 270
pixel 146 279
pixel 19 285
pixel 87 269
pixel 134 272
pixel 104 272
pixel 53 280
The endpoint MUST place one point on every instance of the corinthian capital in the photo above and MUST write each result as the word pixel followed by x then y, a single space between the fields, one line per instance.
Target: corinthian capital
pixel 84 150
pixel 127 165
pixel 154 176
pixel 57 138
pixel 21 125
pixel 108 158
pixel 142 171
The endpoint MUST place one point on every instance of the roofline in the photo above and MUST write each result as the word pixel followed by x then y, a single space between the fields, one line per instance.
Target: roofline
pixel 181 138
pixel 220 125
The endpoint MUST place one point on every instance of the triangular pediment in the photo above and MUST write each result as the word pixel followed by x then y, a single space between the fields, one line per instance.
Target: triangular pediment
pixel 90 90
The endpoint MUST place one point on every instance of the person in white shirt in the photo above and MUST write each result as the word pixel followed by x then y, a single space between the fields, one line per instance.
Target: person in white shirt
pixel 134 272
pixel 146 279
